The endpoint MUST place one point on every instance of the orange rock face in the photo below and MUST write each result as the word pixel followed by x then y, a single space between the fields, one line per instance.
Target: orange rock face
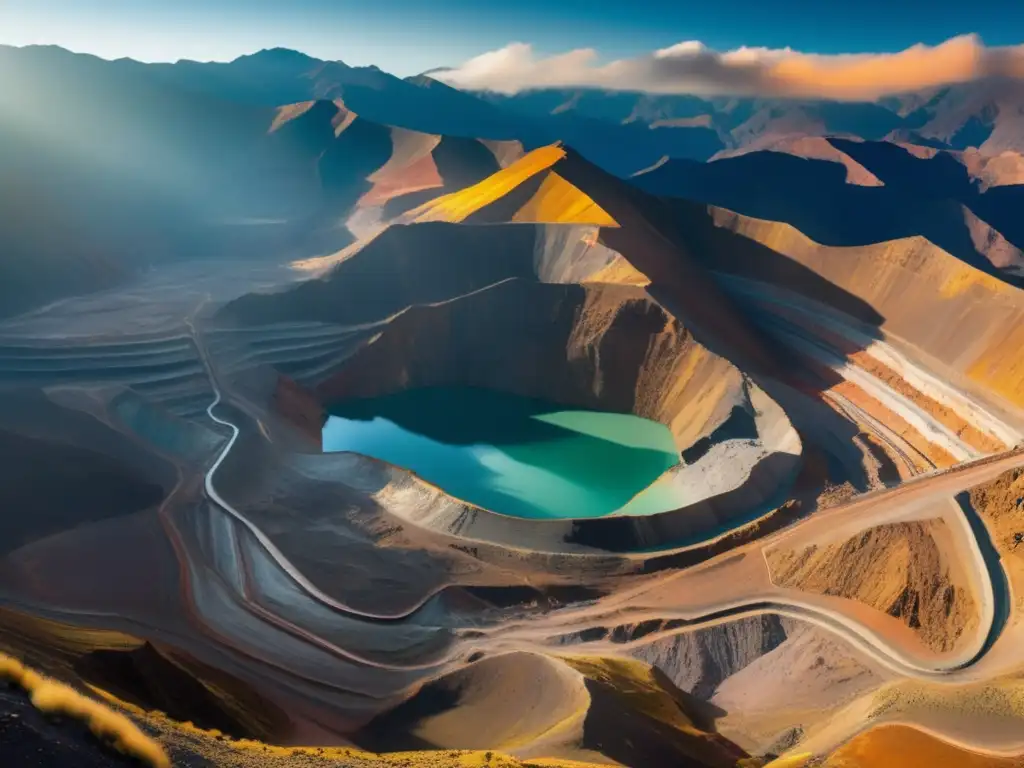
pixel 897 746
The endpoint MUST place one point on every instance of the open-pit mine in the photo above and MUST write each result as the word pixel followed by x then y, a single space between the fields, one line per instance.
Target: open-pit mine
pixel 401 447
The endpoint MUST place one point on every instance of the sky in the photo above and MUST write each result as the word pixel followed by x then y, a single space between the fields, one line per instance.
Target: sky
pixel 409 36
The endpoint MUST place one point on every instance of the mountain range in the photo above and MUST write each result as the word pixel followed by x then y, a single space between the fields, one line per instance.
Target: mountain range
pixel 183 148
pixel 819 304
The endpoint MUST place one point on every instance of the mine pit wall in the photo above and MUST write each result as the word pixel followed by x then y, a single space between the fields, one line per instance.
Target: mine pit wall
pixel 624 353
pixel 819 336
pixel 950 416
pixel 908 289
pixel 599 347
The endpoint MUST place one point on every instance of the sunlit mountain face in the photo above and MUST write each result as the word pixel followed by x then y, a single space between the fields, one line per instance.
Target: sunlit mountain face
pixel 660 409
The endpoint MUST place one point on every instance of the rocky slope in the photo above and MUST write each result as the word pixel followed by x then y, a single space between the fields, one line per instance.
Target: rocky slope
pixel 900 569
pixel 598 347
pixel 896 337
pixel 896 287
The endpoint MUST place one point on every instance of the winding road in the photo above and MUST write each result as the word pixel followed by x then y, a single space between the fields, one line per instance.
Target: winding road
pixel 888 504
pixel 211 491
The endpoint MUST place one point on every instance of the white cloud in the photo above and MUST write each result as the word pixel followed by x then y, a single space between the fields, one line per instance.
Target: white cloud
pixel 692 67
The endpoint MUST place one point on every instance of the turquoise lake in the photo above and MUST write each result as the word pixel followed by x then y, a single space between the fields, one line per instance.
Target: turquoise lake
pixel 509 454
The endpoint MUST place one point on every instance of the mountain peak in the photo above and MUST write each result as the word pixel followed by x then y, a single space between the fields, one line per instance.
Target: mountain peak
pixel 278 56
pixel 425 80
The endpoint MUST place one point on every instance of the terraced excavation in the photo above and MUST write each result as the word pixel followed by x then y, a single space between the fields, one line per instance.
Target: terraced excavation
pixel 483 455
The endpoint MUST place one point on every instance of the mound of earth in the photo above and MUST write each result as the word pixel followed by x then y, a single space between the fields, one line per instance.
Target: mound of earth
pixel 699 661
pixel 614 226
pixel 572 707
pixel 793 688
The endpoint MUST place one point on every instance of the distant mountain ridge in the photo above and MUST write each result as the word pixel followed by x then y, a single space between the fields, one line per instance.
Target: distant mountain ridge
pixel 642 127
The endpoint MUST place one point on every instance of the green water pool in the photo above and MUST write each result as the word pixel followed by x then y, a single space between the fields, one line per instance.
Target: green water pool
pixel 513 455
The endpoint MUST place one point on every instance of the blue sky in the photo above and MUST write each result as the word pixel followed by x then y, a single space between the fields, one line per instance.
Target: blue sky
pixel 408 36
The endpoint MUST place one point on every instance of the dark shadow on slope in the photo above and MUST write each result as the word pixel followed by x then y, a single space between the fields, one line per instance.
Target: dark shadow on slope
pixel 694 297
pixel 939 176
pixel 865 119
pixel 726 253
pixel 625 149
pixel 505 208
pixel 51 487
pixel 739 425
pixel 721 250
pixel 913 137
pixel 340 163
pixel 460 162
pixel 632 736
pixel 679 248
pixel 508 697
pixel 405 265
pixel 1002 207
pixel 975 131
pixel 150 679
pixel 395 730
pixel 705 657
pixel 994 567
pixel 400 204
pixel 463 162
pixel 519 697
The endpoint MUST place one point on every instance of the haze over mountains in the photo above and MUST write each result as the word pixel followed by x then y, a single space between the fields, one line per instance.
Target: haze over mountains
pixel 819 302
pixel 190 146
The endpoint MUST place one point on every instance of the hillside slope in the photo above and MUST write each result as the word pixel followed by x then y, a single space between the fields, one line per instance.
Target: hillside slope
pixel 148 172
